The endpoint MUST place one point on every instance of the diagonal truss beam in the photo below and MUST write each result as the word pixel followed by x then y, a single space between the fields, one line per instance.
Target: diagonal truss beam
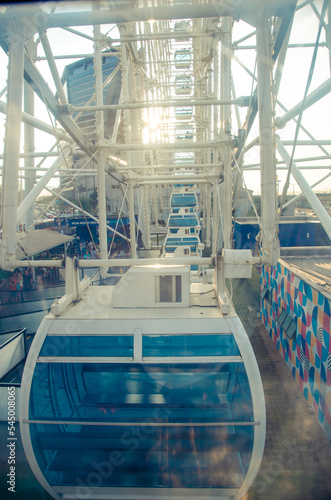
pixel 311 197
pixel 311 99
pixel 40 87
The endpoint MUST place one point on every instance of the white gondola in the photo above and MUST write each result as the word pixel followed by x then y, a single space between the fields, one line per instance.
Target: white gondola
pixel 186 224
pixel 184 133
pixel 184 201
pixel 182 58
pixel 184 156
pixel 154 395
pixel 183 85
pixel 182 27
pixel 183 112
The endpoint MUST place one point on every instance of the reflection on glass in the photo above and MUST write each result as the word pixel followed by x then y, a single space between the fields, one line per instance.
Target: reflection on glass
pixel 159 456
pixel 160 425
pixel 124 392
pixel 189 345
pixel 88 345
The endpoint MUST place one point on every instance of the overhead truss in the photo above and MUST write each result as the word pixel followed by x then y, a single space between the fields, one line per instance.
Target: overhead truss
pixel 177 117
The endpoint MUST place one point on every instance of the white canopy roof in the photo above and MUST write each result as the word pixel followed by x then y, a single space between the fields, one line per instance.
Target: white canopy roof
pixel 39 240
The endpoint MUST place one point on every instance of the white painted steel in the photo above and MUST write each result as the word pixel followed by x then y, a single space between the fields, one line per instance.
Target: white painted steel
pixel 269 236
pixel 11 151
pixel 35 192
pixel 102 208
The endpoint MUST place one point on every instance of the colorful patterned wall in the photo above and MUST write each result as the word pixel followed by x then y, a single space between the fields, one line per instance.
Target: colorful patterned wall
pixel 307 320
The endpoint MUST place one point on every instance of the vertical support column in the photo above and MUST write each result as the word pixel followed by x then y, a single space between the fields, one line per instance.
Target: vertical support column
pixel 203 203
pixel 147 228
pixel 226 129
pixel 126 76
pixel 216 86
pixel 12 151
pixel 102 208
pixel 155 207
pixel 215 218
pixel 328 33
pixel 270 243
pixel 208 214
pixel 29 163
pixel 132 221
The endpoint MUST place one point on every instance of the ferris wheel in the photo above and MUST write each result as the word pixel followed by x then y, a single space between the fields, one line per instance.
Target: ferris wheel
pixel 176 111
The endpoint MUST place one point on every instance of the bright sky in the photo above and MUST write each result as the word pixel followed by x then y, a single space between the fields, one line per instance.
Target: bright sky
pixel 316 119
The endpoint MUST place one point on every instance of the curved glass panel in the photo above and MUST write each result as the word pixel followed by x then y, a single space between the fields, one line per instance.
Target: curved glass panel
pixel 129 392
pixel 156 425
pixel 189 345
pixel 149 456
pixel 88 345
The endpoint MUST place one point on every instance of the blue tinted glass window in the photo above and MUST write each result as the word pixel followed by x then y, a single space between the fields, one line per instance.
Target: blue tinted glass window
pixel 88 345
pixel 157 456
pixel 186 200
pixel 179 242
pixel 184 111
pixel 129 392
pixel 189 345
pixel 180 221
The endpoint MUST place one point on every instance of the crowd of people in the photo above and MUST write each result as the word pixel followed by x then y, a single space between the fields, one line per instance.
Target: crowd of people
pixel 83 249
pixel 90 250
pixel 24 280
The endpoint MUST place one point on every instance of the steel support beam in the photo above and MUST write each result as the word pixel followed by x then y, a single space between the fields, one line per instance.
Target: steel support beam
pixel 33 195
pixel 41 88
pixel 315 96
pixel 53 68
pixel 164 261
pixel 238 10
pixel 112 230
pixel 177 145
pixel 242 101
pixel 29 163
pixel 40 125
pixel 269 237
pixel 102 208
pixel 12 152
pixel 297 197
pixel 226 130
pixel 132 221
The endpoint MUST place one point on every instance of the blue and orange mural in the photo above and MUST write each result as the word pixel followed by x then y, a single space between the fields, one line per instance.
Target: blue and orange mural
pixel 297 318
